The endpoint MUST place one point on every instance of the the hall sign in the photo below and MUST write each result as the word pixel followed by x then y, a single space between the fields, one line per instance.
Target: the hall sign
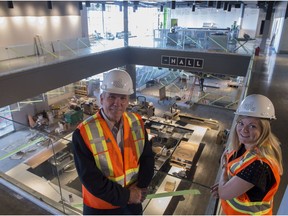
pixel 183 62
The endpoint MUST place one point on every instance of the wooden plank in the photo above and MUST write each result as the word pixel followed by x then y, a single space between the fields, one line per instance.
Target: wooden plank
pixel 45 154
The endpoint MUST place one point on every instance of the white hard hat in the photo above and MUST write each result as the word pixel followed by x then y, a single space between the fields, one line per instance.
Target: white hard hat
pixel 256 105
pixel 118 82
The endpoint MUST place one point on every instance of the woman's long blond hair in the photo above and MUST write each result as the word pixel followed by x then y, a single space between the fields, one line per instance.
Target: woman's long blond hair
pixel 268 145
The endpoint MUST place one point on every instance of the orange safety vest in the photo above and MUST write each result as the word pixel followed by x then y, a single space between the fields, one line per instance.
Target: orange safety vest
pixel 242 205
pixel 107 154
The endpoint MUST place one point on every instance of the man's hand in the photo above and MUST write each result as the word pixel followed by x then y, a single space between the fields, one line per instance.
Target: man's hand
pixel 137 195
pixel 144 192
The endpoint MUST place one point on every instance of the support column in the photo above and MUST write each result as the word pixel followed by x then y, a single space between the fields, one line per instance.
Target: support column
pixel 125 22
pixel 267 26
pixel 84 21
pixel 242 16
pixel 131 69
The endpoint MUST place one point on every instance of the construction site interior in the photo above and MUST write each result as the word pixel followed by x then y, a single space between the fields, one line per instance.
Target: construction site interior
pixel 187 115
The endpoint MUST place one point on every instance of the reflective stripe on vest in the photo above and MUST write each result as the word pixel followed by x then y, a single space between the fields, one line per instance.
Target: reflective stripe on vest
pixel 100 151
pixel 96 130
pixel 251 208
pixel 247 157
pixel 245 206
pixel 137 132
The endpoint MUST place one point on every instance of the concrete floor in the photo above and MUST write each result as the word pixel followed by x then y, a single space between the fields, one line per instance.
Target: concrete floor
pixel 268 77
pixel 17 202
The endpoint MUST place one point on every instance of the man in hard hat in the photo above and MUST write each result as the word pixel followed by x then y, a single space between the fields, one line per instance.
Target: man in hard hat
pixel 113 156
pixel 252 163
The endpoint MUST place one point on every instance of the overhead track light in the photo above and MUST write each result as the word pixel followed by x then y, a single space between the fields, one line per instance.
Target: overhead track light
pixel 173 4
pixel 225 6
pixel 80 5
pixel 87 3
pixel 286 13
pixel 10 4
pixel 135 6
pixel 136 3
pixel 103 7
pixel 193 7
pixel 229 7
pixel 218 4
pixel 210 3
pixel 269 10
pixel 161 8
pixel 238 5
pixel 258 3
pixel 49 5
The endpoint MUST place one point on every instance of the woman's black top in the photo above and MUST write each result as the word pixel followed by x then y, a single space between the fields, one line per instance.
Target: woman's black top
pixel 257 173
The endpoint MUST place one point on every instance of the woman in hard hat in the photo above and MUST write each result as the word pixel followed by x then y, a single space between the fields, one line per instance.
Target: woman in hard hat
pixel 112 154
pixel 252 163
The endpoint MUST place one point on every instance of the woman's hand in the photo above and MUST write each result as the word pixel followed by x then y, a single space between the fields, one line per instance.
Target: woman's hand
pixel 223 161
pixel 214 191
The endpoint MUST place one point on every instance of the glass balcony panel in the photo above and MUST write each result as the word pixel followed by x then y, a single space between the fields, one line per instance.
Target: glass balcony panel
pixel 40 163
